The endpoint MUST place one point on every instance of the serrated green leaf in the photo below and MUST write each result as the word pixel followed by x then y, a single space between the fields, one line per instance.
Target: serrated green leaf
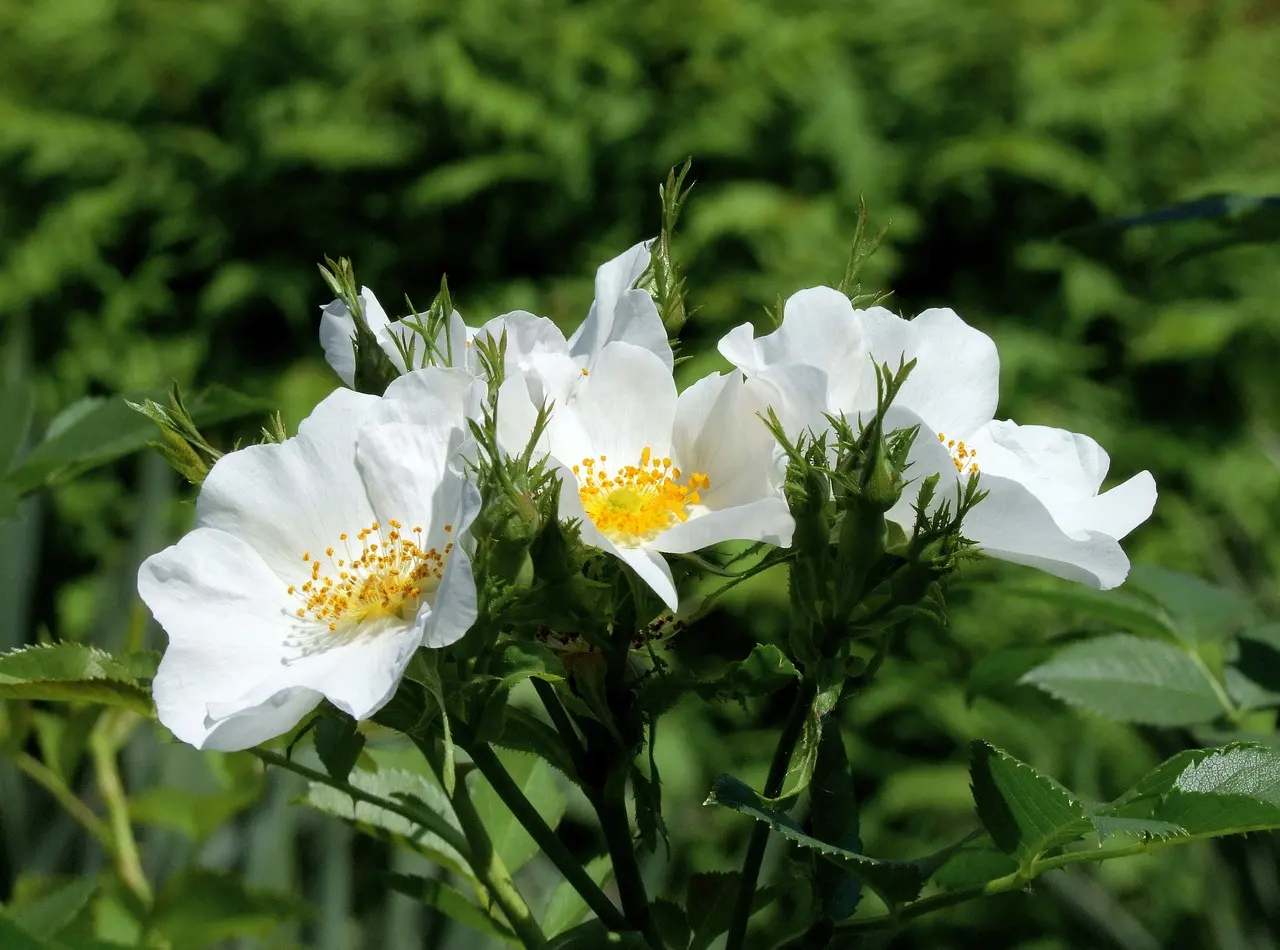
pixel 537 782
pixel 1199 610
pixel 673 928
pixel 1229 791
pixel 338 743
pixel 394 784
pixel 566 908
pixel 1025 813
pixel 893 880
pixel 450 902
pixel 1130 679
pixel 524 732
pixel 72 672
pixel 1253 682
pixel 974 863
pixel 1109 826
pixel 709 900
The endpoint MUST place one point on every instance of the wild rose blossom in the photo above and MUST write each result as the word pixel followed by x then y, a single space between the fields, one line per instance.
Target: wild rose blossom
pixel 1043 509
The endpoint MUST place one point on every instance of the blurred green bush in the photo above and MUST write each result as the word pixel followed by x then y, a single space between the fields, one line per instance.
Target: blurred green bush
pixel 170 174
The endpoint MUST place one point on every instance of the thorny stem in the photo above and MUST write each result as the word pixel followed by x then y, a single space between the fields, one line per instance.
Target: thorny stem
pixel 760 833
pixel 1018 880
pixel 611 807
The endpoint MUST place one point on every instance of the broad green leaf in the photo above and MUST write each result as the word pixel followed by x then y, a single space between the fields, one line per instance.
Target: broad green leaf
pixel 338 743
pixel 72 672
pixel 536 780
pixel 193 814
pixel 394 784
pixel 1130 679
pixel 450 902
pixel 98 430
pixel 1253 682
pixel 200 908
pixel 673 928
pixel 1110 826
pixel 524 732
pixel 566 908
pixel 56 907
pixel 1116 608
pixel 1025 813
pixel 1231 790
pixel 893 880
pixel 425 669
pixel 13 937
pixel 1199 610
pixel 15 418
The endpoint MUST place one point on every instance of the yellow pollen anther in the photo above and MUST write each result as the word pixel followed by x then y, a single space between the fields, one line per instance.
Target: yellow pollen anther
pixel 637 502
pixel 961 455
pixel 385 578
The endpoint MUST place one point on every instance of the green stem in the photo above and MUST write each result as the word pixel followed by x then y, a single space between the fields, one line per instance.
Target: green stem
pixel 1018 880
pixel 49 780
pixel 777 776
pixel 427 819
pixel 492 769
pixel 491 871
pixel 611 808
pixel 104 744
pixel 564 726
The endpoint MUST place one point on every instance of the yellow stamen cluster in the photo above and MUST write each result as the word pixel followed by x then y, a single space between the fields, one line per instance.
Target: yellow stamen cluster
pixel 637 502
pixel 962 455
pixel 386 577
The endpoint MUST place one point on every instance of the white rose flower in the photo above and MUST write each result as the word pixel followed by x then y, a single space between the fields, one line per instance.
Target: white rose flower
pixel 1043 508
pixel 315 569
pixel 647 471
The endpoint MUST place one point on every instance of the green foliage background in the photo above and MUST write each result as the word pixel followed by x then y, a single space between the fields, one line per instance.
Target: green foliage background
pixel 169 174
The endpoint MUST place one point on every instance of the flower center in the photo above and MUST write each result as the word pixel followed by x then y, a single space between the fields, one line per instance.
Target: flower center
pixel 387 577
pixel 637 502
pixel 962 455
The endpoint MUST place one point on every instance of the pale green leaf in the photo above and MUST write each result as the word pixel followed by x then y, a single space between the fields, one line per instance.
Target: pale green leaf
pixel 72 672
pixel 1130 679
pixel 538 784
pixel 566 908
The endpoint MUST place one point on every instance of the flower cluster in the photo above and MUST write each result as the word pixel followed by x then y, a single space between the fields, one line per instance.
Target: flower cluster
pixel 319 564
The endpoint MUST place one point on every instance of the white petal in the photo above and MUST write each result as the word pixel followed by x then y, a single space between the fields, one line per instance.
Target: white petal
pixel 718 432
pixel 626 404
pixel 433 393
pixel 766 519
pixel 298 496
pixel 620 312
pixel 527 335
pixel 453 609
pixel 819 330
pixel 228 618
pixel 1012 524
pixel 955 384
pixel 1064 470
